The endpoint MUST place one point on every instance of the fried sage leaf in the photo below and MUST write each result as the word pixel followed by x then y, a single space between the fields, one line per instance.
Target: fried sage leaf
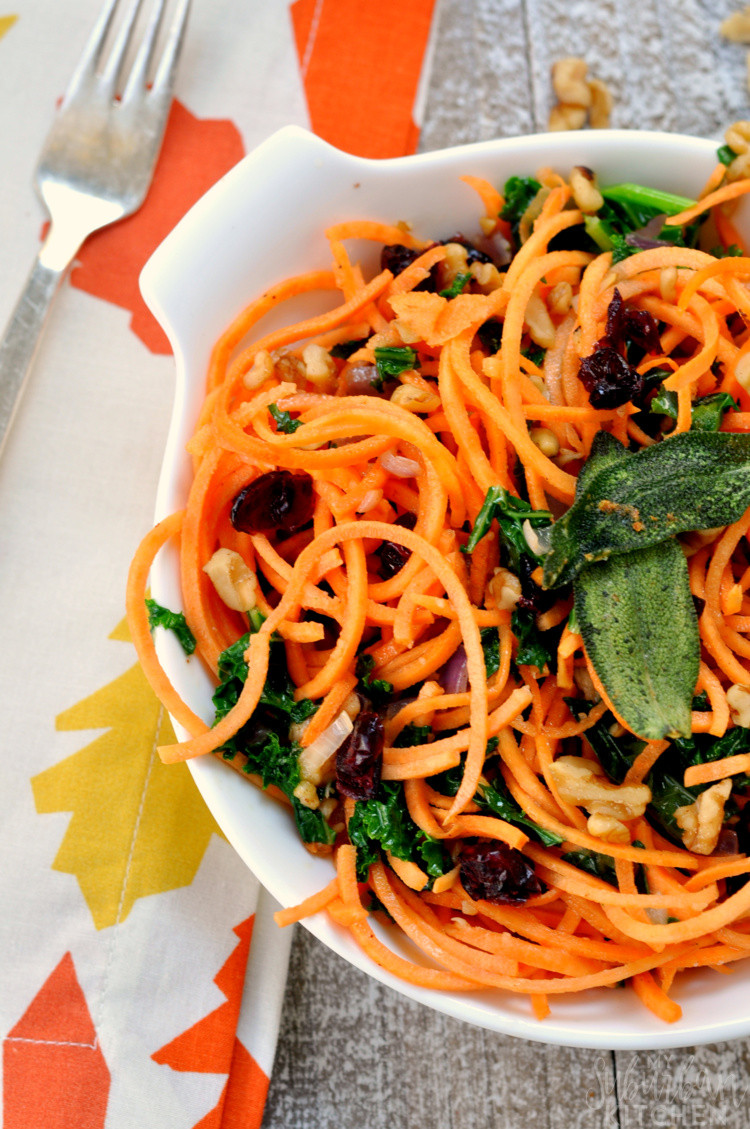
pixel 696 480
pixel 638 622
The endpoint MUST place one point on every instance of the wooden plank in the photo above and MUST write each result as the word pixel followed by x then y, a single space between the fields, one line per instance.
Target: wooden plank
pixel 696 1088
pixel 479 82
pixel 353 1053
pixel 666 64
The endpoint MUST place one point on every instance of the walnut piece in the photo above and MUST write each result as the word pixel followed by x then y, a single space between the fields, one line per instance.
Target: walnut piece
pixel 564 116
pixel 585 193
pixel 506 589
pixel 601 104
pixel 232 579
pixel 569 81
pixel 260 371
pixel 414 399
pixel 319 366
pixel 736 28
pixel 607 828
pixel 738 699
pixel 578 97
pixel 701 821
pixel 737 136
pixel 538 322
pixel 581 782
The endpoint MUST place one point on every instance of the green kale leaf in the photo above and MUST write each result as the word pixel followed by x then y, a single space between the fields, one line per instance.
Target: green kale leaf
pixel 518 193
pixel 457 286
pixel 159 616
pixel 393 360
pixel 377 689
pixel 284 421
pixel 385 824
pixel 510 513
pixel 532 649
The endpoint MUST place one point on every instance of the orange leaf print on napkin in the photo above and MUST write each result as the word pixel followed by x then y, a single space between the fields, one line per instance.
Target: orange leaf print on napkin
pixel 130 811
pixel 210 1046
pixel 361 62
pixel 54 1073
pixel 195 154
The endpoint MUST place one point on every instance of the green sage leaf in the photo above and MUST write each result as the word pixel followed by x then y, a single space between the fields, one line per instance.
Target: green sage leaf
pixel 626 502
pixel 637 619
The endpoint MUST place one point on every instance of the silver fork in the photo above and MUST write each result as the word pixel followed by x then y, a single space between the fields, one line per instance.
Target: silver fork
pixel 95 167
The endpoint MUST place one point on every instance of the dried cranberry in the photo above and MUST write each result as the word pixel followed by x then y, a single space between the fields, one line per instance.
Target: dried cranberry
pixel 395 257
pixel 494 872
pixel 533 598
pixel 728 842
pixel 277 501
pixel 608 378
pixel 393 557
pixel 359 761
pixel 626 324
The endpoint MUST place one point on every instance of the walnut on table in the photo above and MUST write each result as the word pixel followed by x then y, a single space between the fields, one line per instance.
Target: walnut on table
pixel 579 98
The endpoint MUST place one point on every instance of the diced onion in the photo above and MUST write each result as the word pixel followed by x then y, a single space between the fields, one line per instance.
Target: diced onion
pixel 399 466
pixel 369 501
pixel 314 757
pixel 454 676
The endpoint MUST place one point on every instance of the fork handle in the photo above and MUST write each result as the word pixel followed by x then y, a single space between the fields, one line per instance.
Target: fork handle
pixel 21 337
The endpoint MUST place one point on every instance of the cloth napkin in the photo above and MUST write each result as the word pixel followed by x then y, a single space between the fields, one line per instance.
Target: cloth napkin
pixel 142 975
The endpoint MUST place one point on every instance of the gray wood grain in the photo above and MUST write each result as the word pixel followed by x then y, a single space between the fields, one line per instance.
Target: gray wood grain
pixel 355 1054
pixel 352 1053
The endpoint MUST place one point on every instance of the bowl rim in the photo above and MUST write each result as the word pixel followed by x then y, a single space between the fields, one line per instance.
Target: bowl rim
pixel 155 281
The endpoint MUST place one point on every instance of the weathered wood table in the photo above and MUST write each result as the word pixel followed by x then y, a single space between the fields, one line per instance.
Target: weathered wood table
pixel 352 1053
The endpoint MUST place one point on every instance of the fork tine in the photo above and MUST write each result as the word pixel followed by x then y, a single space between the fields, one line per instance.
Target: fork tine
pixel 165 74
pixel 139 71
pixel 113 65
pixel 89 60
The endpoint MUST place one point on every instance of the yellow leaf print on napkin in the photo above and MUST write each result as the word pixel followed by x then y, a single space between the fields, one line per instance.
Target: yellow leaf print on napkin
pixel 138 827
pixel 6 23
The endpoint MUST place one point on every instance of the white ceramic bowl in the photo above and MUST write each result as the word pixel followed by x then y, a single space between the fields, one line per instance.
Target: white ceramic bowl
pixel 262 222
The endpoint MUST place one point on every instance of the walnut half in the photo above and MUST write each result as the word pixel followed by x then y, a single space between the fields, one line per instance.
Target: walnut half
pixel 581 782
pixel 701 821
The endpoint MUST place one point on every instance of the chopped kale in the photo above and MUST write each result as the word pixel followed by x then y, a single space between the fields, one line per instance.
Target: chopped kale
pixel 457 286
pixel 535 354
pixel 518 193
pixel 601 866
pixel 345 349
pixel 510 513
pixel 730 252
pixel 413 735
pixel 159 616
pixel 385 824
pixel 284 421
pixel 491 647
pixel 532 649
pixel 377 689
pixel 264 739
pixel 707 411
pixel 627 209
pixel 393 360
pixel 496 799
pixel 278 691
